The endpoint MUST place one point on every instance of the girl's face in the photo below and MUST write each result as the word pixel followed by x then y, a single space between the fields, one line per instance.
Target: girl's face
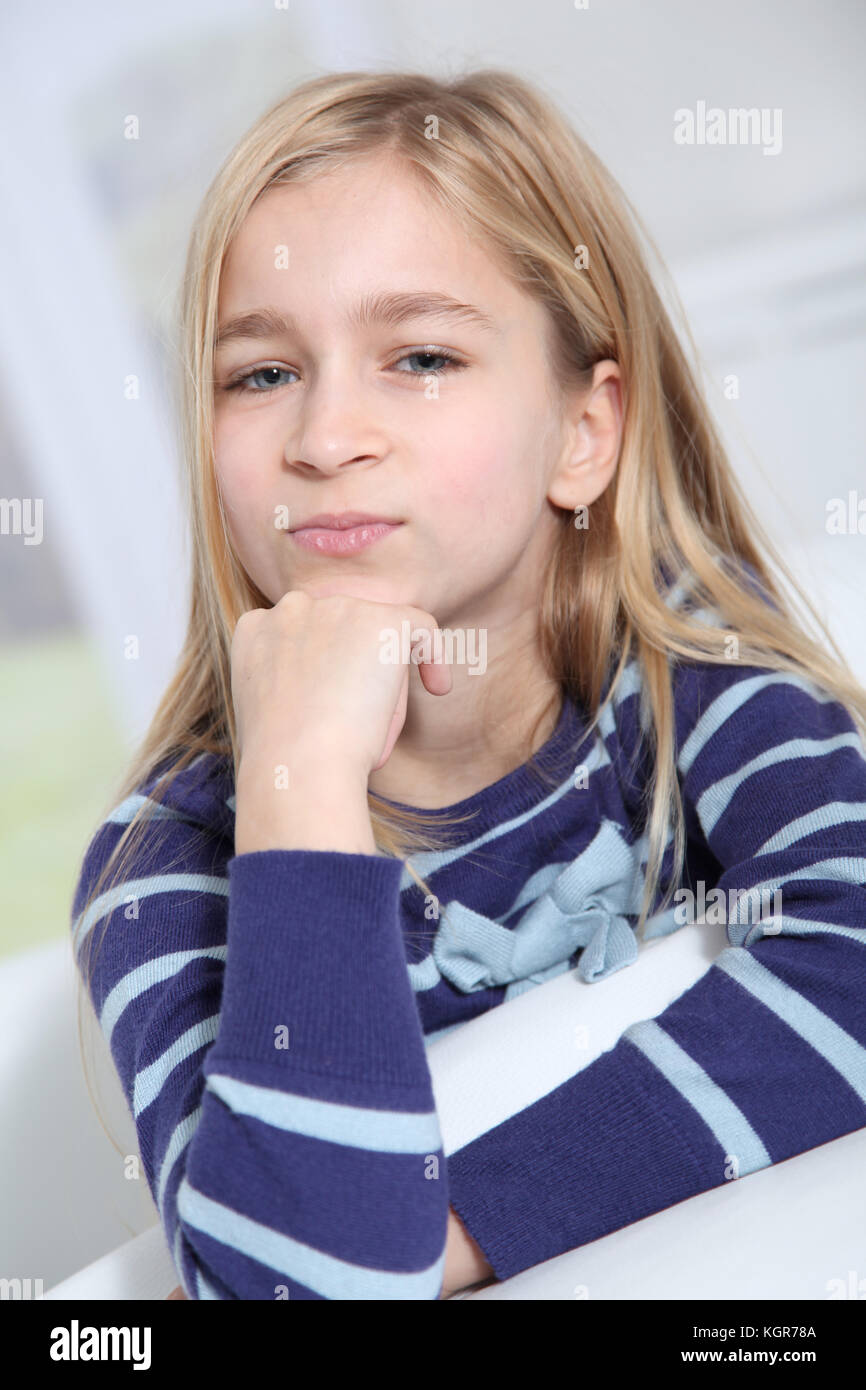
pixel 349 410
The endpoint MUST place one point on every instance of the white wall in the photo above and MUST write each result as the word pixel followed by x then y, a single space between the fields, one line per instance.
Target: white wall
pixel 768 251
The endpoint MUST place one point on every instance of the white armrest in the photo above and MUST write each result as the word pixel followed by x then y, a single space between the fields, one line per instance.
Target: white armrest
pixel 140 1269
pixel 736 1241
pixel 796 1230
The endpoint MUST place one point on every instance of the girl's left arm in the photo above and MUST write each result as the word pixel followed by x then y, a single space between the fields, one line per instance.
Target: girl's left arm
pixel 765 1056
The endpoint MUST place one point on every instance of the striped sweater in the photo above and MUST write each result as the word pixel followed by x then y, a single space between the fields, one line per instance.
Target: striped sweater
pixel 268 1013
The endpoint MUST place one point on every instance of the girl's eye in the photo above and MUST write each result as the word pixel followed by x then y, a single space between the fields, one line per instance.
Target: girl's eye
pixel 452 363
pixel 247 382
pixel 244 383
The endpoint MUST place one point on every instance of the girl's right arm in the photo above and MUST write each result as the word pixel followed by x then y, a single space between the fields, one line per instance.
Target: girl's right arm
pixel 262 1022
pixel 265 1030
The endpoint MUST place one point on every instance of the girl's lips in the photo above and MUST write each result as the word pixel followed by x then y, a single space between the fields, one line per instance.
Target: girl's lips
pixel 346 541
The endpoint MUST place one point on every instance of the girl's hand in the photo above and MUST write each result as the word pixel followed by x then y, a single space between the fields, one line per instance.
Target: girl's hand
pixel 312 672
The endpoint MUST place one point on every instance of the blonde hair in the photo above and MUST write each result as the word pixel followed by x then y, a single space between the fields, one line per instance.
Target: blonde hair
pixel 507 165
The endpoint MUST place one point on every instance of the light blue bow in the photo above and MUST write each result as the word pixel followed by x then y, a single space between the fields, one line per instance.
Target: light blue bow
pixel 585 906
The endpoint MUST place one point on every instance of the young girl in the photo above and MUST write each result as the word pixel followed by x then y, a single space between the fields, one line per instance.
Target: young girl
pixel 435 408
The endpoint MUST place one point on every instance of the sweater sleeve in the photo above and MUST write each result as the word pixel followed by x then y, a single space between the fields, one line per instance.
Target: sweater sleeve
pixel 260 1015
pixel 764 1056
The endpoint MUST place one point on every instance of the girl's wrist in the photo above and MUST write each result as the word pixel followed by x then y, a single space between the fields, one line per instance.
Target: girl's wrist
pixel 306 802
pixel 307 758
pixel 466 1265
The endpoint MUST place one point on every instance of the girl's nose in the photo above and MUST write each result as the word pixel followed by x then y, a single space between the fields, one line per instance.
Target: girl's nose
pixel 327 461
pixel 334 431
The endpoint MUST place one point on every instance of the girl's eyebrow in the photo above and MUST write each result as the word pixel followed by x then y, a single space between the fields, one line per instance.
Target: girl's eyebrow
pixel 386 307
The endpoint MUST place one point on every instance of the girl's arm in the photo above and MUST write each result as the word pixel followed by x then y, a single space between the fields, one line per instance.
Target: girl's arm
pixel 465 1265
pixel 262 1021
pixel 331 813
pixel 765 1056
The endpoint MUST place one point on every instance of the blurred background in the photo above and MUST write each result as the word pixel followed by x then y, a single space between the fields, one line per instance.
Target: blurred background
pixel 767 249
pixel 766 242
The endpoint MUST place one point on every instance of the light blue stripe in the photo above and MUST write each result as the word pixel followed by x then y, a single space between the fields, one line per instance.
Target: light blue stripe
pixel 423 974
pixel 324 1274
pixel 205 1292
pixel 845 870
pixel 427 862
pixel 732 699
pixel 150 1081
pixel 631 681
pixel 715 1107
pixel 538 884
pixel 123 814
pixel 178 1142
pixel 144 888
pixel 178 1260
pixel 832 814
pixel 381 1131
pixel 679 591
pixel 708 617
pixel 152 972
pixel 716 799
pixel 684 593
pixel 793 926
pixel 125 811
pixel 629 684
pixel 837 1047
pixel 841 869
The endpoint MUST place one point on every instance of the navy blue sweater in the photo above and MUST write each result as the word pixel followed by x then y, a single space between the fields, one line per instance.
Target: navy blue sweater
pixel 268 1012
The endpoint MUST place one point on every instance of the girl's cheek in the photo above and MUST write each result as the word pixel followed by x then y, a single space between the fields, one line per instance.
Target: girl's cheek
pixel 470 474
pixel 236 467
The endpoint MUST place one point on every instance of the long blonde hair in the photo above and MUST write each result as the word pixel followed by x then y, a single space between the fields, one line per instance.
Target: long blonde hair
pixel 508 166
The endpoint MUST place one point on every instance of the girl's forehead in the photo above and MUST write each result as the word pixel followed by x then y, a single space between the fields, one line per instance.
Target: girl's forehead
pixel 359 213
pixel 345 239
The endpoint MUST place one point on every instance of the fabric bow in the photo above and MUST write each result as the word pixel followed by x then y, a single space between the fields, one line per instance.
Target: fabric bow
pixel 583 909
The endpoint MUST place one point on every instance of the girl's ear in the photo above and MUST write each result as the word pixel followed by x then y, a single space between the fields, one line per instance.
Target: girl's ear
pixel 592 430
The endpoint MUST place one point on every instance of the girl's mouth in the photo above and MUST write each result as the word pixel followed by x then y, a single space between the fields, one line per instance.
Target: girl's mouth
pixel 345 541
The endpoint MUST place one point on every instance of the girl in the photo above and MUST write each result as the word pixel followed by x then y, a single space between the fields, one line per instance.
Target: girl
pixel 434 404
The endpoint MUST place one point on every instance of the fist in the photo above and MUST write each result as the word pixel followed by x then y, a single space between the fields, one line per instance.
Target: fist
pixel 319 673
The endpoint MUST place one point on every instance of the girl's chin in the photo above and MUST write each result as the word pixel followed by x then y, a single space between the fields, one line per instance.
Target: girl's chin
pixel 374 587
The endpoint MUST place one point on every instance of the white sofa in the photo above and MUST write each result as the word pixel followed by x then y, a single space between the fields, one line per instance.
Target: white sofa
pixel 796 1230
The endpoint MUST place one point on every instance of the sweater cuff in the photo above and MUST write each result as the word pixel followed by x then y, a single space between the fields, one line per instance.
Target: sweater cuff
pixel 316 980
pixel 565 1170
